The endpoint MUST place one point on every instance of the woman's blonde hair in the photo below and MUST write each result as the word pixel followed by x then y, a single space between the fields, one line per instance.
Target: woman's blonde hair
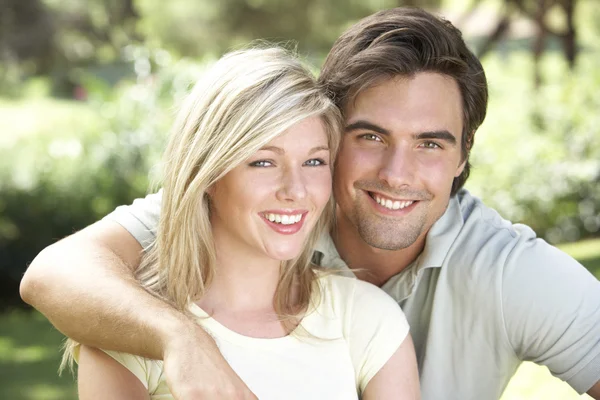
pixel 248 98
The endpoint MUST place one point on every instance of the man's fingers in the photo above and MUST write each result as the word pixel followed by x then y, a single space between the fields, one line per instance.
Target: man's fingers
pixel 195 369
pixel 212 393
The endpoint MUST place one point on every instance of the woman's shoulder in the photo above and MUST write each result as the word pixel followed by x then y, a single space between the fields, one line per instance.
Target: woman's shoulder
pixel 349 284
pixel 335 278
pixel 349 293
pixel 333 285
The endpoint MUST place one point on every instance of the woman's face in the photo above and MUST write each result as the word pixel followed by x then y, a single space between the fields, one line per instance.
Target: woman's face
pixel 269 204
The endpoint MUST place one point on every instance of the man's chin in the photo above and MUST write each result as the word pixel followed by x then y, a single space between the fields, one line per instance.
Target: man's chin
pixel 387 239
pixel 387 246
pixel 385 233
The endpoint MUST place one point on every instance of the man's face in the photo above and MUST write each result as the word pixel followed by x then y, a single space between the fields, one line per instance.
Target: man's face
pixel 399 155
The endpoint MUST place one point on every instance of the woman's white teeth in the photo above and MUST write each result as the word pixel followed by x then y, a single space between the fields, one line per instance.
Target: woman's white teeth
pixel 393 205
pixel 284 219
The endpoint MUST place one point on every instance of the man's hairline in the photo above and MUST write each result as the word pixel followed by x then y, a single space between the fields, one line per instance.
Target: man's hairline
pixel 352 95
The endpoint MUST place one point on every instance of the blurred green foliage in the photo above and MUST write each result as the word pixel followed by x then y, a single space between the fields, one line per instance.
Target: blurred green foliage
pixel 66 164
pixel 537 156
pixel 61 39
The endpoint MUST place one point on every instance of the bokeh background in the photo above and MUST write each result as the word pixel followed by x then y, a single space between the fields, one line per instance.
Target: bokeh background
pixel 88 89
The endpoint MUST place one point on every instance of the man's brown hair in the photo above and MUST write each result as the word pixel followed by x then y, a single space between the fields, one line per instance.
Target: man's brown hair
pixel 402 42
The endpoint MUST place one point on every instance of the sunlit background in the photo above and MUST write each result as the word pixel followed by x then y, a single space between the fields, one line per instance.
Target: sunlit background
pixel 88 90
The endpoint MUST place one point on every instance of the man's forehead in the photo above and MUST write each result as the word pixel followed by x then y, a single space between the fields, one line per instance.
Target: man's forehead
pixel 404 84
pixel 423 102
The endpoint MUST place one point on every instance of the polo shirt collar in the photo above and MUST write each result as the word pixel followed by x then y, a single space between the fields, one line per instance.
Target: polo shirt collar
pixel 442 235
pixel 326 254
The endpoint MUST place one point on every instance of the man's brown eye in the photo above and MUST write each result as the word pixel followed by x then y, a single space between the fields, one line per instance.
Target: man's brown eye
pixel 432 145
pixel 370 136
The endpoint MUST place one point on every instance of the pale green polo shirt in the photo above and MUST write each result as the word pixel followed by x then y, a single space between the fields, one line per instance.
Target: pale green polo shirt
pixel 484 295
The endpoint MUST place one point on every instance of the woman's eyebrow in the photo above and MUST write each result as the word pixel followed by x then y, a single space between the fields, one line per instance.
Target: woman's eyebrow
pixel 279 150
pixel 274 149
pixel 318 148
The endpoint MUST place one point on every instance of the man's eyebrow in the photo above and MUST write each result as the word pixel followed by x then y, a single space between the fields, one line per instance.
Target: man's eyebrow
pixel 440 135
pixel 358 125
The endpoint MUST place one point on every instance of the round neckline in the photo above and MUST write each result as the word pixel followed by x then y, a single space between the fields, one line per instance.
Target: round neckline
pixel 317 321
pixel 222 332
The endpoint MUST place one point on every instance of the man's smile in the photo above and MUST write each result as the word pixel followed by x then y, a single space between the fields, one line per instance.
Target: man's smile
pixel 389 202
pixel 390 205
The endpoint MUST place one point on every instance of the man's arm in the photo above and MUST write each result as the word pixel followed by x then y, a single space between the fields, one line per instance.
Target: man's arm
pixel 595 391
pixel 551 309
pixel 84 285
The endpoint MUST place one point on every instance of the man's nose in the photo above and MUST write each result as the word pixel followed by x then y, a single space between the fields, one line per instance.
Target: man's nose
pixel 293 185
pixel 398 167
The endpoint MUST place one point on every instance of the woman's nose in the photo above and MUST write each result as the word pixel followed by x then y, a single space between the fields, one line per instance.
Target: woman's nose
pixel 293 187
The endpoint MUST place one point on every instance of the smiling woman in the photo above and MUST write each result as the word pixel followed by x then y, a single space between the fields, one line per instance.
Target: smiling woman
pixel 246 194
pixel 268 203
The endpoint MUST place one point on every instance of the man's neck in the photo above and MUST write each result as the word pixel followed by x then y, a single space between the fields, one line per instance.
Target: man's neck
pixel 370 264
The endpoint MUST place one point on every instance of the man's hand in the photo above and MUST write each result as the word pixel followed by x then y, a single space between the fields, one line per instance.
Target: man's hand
pixel 195 369
pixel 85 286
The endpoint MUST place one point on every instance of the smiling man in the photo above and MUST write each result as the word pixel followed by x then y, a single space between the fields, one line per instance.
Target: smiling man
pixel 400 154
pixel 480 293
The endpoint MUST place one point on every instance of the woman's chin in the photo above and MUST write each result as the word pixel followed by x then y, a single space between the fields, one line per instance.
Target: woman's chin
pixel 284 254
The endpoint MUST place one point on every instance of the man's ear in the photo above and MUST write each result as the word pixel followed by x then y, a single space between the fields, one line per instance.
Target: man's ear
pixel 460 168
pixel 462 165
pixel 210 191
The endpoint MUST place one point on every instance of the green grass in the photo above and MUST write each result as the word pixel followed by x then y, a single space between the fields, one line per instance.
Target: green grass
pixel 29 358
pixel 586 252
pixel 29 355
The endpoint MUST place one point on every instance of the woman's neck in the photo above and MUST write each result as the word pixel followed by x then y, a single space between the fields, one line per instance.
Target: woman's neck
pixel 241 294
pixel 245 279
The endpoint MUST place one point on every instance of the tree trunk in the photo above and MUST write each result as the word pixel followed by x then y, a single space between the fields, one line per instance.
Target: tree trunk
pixel 539 41
pixel 569 38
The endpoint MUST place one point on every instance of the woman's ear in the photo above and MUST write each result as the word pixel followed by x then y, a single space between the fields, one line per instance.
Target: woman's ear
pixel 210 191
pixel 207 199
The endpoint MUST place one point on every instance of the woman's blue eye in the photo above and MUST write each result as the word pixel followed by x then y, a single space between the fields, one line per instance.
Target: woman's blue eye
pixel 315 162
pixel 261 163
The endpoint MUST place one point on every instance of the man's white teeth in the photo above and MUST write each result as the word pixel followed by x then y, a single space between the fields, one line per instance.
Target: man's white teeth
pixel 393 205
pixel 284 219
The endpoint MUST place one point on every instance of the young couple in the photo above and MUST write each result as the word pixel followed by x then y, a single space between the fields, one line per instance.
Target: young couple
pixel 229 242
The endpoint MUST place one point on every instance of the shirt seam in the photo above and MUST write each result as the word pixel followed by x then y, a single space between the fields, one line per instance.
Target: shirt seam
pixel 596 358
pixel 582 367
pixel 502 309
pixel 124 218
